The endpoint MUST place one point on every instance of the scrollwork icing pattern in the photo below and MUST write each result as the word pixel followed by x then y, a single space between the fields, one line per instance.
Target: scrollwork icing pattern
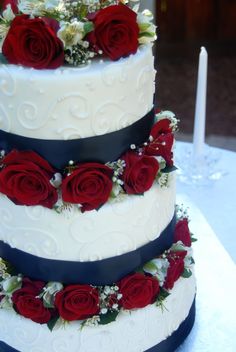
pixel 68 235
pixel 7 82
pixel 44 114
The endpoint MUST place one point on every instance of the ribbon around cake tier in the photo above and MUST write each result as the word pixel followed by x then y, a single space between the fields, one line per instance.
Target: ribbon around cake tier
pixel 102 148
pixel 101 272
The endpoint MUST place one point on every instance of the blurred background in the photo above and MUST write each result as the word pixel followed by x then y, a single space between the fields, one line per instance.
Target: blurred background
pixel 183 27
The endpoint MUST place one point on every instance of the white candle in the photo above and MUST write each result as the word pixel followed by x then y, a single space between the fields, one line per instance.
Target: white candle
pixel 200 108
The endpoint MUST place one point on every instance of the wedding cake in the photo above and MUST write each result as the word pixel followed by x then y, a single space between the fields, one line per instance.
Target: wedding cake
pixel 94 253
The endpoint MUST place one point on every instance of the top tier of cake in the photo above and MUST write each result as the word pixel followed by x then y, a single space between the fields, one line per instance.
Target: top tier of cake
pixel 70 103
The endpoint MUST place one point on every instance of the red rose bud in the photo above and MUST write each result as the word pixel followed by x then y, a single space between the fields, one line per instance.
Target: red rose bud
pixel 182 233
pixel 138 291
pixel 77 302
pixel 33 42
pixel 13 4
pixel 175 269
pixel 139 173
pixel 25 179
pixel 162 140
pixel 32 308
pixel 27 303
pixel 89 185
pixel 116 31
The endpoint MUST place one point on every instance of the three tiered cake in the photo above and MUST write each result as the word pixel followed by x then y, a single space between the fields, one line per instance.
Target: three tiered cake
pixel 94 254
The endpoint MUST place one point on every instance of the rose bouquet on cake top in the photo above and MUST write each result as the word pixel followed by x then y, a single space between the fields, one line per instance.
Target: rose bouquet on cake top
pixel 45 34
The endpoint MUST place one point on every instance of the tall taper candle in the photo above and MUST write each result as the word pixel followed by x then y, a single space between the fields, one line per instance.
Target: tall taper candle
pixel 200 108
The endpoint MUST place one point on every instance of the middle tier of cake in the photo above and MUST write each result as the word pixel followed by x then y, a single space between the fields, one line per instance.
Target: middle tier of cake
pixel 118 227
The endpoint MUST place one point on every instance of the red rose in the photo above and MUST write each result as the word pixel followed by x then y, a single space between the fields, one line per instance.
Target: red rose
pixel 175 269
pixel 89 185
pixel 162 141
pixel 138 291
pixel 139 173
pixel 25 179
pixel 27 303
pixel 182 232
pixel 33 42
pixel 77 302
pixel 115 31
pixel 13 4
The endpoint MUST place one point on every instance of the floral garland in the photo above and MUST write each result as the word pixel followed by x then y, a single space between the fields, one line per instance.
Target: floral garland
pixel 54 303
pixel 27 179
pixel 45 34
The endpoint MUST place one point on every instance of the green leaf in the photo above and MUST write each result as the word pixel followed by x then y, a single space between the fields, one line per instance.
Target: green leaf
pixel 88 27
pixel 144 26
pixel 178 247
pixel 186 273
pixel 150 268
pixel 161 298
pixel 2 59
pixel 169 169
pixel 163 294
pixel 192 238
pixel 51 324
pixel 108 318
pixel 48 305
pixel 83 11
pixel 139 270
pixel 147 34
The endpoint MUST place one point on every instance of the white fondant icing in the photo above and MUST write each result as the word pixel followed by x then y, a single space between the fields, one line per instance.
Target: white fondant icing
pixel 56 104
pixel 134 332
pixel 114 229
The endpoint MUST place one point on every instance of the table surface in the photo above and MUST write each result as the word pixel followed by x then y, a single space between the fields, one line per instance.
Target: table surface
pixel 217 199
pixel 215 325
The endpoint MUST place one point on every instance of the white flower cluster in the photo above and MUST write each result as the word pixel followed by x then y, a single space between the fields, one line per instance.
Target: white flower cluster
pixel 166 114
pixel 6 18
pixel 8 285
pixel 49 293
pixel 106 293
pixel 182 212
pixel 3 270
pixel 147 28
pixel 39 7
pixel 158 267
pixel 118 167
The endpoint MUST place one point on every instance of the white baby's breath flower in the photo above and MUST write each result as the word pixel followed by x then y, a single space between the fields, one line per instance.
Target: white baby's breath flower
pixel 91 2
pixel 165 114
pixel 71 33
pixel 56 180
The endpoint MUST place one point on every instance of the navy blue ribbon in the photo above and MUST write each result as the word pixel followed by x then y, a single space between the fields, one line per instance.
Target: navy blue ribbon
pixel 169 345
pixel 102 149
pixel 102 272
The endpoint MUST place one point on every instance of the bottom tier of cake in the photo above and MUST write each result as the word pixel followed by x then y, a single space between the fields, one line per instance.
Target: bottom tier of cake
pixel 152 329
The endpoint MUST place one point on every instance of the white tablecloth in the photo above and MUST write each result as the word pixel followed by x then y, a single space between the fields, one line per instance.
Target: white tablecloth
pixel 215 326
pixel 217 200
